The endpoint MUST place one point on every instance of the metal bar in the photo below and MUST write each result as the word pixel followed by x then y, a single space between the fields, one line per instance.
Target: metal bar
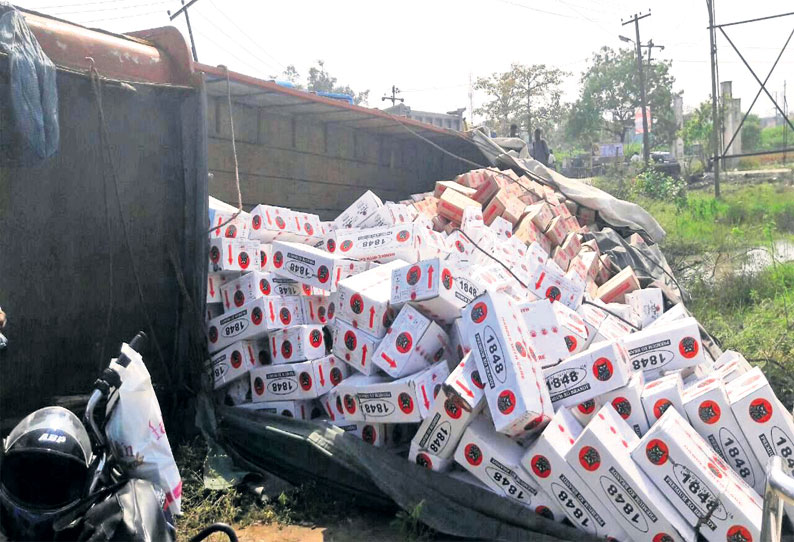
pixel 759 153
pixel 779 489
pixel 715 120
pixel 178 12
pixel 752 20
pixel 747 114
pixel 757 79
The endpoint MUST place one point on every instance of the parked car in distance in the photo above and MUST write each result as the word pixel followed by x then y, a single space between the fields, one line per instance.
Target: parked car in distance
pixel 666 163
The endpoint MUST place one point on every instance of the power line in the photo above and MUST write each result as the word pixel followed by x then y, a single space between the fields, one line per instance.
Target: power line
pixel 118 8
pixel 246 35
pixel 538 10
pixel 128 16
pixel 232 54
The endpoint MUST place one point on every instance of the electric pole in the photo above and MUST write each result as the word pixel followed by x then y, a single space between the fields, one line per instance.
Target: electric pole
pixel 646 150
pixel 394 99
pixel 183 9
pixel 715 117
pixel 651 46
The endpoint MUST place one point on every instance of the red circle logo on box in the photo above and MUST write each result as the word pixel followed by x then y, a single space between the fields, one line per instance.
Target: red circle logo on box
pixel 307 290
pixel 760 410
pixel 541 466
pixel 264 286
pixel 602 369
pixel 239 298
pixel 479 312
pixel 589 458
pixel 403 236
pixel 262 259
pixel 278 259
pixel 438 355
pixel 570 343
pixel 622 406
pixel 459 246
pixel 237 359
pixel 506 402
pixel 256 316
pixel 346 245
pixel 738 533
pixel 423 460
pixel 473 454
pixel 688 347
pixel 356 304
pixel 452 408
pixel 315 338
pixel 446 279
pixel 231 231
pixel 714 470
pixel 663 537
pixel 587 407
pixel 305 380
pixel 321 314
pixel 660 407
pixel 414 273
pixel 709 412
pixel 553 293
pixel 368 434
pixel 308 228
pixel 285 316
pixel 322 274
pixel 475 378
pixel 521 350
pixel 243 260
pixel 336 376
pixel 331 310
pixel 256 222
pixel 657 452
pixel 350 404
pixel 259 386
pixel 330 245
pixel 280 223
pixel 405 403
pixel 350 340
pixel 213 334
pixel 403 342
pixel 215 255
pixel 286 349
pixel 545 512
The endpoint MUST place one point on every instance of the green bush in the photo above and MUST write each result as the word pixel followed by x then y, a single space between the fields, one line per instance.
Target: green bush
pixel 660 186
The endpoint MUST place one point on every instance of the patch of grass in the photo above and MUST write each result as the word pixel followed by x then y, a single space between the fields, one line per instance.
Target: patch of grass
pixel 410 525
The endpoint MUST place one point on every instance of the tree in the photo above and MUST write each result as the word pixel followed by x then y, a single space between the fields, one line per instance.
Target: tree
pixel 528 96
pixel 291 74
pixel 751 133
pixel 697 130
pixel 319 80
pixel 610 94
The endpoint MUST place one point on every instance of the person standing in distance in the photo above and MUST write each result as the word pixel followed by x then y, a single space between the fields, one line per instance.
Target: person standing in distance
pixel 540 149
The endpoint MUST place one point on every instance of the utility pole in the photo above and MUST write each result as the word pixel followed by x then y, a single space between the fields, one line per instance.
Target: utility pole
pixel 646 151
pixel 785 114
pixel 715 118
pixel 651 46
pixel 183 9
pixel 394 99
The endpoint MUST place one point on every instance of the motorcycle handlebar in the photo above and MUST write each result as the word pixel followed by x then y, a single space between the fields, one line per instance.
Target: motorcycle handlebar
pixel 137 343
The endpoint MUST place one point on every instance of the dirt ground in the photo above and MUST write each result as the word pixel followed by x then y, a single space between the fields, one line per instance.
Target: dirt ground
pixel 371 527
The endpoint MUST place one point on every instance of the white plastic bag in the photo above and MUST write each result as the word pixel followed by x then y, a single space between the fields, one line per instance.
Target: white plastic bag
pixel 136 432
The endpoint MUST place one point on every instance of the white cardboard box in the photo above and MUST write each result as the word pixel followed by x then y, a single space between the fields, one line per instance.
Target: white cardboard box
pixel 304 380
pixel 253 320
pixel 363 300
pixel 518 400
pixel 601 325
pixel 545 462
pixel 214 283
pixel 601 368
pixel 662 394
pixel 545 281
pixel 319 309
pixel 665 347
pixel 227 255
pixel 646 304
pixel 695 480
pixel 627 402
pixel 601 457
pixel 301 410
pixel 236 293
pixel 546 335
pixel 412 343
pixel 384 244
pixel 343 398
pixel 235 361
pixel 355 347
pixel 358 211
pixel 709 411
pixel 297 343
pixel 269 222
pixel 574 329
pixel 313 266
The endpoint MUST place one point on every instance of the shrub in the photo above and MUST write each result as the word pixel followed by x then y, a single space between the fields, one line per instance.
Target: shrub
pixel 660 186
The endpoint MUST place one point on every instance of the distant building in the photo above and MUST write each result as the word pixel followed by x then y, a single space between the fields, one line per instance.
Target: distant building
pixel 452 120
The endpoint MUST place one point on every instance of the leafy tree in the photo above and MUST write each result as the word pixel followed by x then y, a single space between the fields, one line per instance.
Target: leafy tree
pixel 528 96
pixel 319 80
pixel 774 137
pixel 751 133
pixel 697 129
pixel 291 74
pixel 611 92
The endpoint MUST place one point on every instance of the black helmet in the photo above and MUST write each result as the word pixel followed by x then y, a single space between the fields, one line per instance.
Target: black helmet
pixel 44 468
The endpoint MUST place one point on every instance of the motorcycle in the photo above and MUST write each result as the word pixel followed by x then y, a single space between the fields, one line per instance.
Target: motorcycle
pixel 63 479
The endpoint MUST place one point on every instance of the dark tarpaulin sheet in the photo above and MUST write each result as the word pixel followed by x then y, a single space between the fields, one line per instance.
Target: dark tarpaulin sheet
pixel 300 451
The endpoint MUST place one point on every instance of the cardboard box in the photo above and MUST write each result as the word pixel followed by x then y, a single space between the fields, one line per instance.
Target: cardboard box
pixel 627 402
pixel 427 207
pixel 709 411
pixel 729 372
pixel 766 423
pixel 384 244
pixel 440 290
pixel 556 231
pixel 600 456
pixel 528 231
pixel 300 410
pixel 443 185
pixel 646 304
pixel 465 381
pixel 489 188
pixel 214 283
pixel 584 412
pixel 253 320
pixel 601 325
pixel 573 327
pixel 505 206
pixel 234 362
pixel 412 343
pixel 518 401
pixel 697 482
pixel 615 289
pixel 236 293
pixel 358 211
pixel 555 286
pixel 266 257
pixel 363 300
pixel 319 309
pixel 343 398
pixel 371 433
pixel 546 335
pixel 355 346
pixel 660 395
pixel 676 312
pixel 457 344
pixel 297 343
pixel 213 311
pixel 601 368
pixel 303 380
pixel 495 460
pixel 312 266
pixel 545 462
pixel 236 229
pixel 269 222
pixel 227 255
pixel 540 214
pixel 451 205
pixel 665 347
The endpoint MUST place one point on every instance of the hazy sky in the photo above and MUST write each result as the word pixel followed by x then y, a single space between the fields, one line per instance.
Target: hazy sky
pixel 431 48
